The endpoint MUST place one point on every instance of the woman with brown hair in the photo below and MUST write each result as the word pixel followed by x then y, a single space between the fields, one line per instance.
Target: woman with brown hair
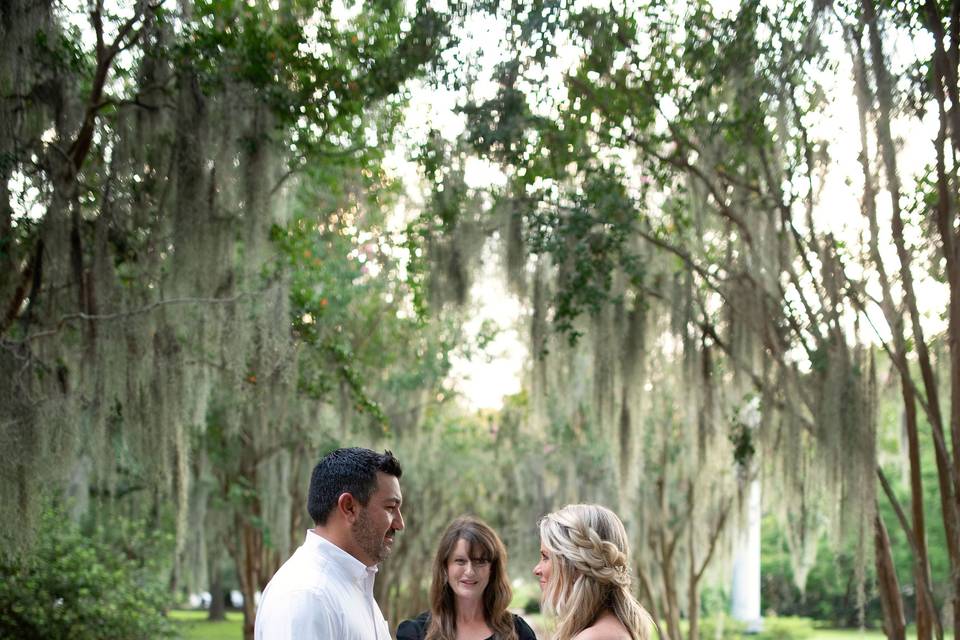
pixel 584 572
pixel 470 591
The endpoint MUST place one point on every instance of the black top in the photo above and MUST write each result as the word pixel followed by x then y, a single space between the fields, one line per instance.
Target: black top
pixel 416 628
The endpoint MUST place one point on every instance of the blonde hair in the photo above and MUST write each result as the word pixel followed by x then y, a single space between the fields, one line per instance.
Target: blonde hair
pixel 589 556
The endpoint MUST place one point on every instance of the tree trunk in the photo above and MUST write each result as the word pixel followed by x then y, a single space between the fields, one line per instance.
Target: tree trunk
pixel 926 613
pixel 693 592
pixel 248 554
pixel 947 471
pixel 247 582
pixel 670 599
pixel 925 608
pixel 218 597
pixel 944 78
pixel 251 551
pixel 894 624
pixel 693 609
pixel 647 587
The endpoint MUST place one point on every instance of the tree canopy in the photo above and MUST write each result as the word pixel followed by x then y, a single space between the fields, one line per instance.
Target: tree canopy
pixel 211 273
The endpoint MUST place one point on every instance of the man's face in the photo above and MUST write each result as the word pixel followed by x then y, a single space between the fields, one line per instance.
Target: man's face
pixel 376 523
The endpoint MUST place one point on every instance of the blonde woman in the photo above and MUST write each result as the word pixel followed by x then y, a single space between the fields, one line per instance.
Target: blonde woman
pixel 585 577
pixel 470 592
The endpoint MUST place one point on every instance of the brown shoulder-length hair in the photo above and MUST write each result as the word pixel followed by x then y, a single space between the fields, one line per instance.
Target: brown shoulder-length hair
pixel 484 544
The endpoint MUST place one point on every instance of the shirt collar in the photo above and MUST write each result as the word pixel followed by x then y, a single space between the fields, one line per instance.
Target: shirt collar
pixel 353 567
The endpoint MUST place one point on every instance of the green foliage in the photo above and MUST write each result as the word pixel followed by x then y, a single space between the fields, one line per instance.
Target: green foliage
pixel 63 50
pixel 741 437
pixel 662 83
pixel 721 627
pixel 497 126
pixel 775 628
pixel 349 303
pixel 659 97
pixel 319 74
pixel 831 590
pixel 87 585
pixel 532 605
pixel 589 241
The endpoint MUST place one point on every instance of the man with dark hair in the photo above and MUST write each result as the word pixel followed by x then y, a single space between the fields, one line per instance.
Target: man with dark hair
pixel 325 590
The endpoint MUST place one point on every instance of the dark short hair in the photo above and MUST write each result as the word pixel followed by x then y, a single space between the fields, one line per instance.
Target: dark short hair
pixel 350 470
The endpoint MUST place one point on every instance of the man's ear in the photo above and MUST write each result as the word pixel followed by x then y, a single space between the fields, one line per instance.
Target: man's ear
pixel 348 506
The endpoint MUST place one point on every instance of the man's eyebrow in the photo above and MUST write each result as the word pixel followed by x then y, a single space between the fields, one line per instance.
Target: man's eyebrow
pixel 396 499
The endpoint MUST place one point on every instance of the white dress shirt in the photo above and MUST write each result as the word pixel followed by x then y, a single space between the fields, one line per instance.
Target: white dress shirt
pixel 321 593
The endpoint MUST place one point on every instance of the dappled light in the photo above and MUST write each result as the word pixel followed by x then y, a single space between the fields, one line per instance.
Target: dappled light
pixel 698 262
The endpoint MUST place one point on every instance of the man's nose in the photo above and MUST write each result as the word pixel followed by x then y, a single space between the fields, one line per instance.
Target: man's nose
pixel 398 521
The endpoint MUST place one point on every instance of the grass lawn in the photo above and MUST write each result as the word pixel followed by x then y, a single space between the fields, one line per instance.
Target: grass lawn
pixel 853 634
pixel 802 628
pixel 847 634
pixel 193 625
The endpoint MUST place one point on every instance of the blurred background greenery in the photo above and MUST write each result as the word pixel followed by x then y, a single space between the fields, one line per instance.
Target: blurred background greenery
pixel 717 240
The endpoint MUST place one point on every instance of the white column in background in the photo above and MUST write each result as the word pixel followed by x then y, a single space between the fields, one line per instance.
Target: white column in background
pixel 745 594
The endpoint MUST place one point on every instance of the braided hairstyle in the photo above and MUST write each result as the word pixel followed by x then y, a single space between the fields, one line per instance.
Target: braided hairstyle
pixel 590 571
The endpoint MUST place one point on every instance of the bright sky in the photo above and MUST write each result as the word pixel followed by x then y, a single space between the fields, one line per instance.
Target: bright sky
pixel 484 381
pixel 839 208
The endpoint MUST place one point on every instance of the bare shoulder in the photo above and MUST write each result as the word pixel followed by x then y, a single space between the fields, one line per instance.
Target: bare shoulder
pixel 607 627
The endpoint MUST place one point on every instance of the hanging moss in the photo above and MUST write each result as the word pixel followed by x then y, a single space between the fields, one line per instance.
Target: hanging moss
pixel 174 248
pixel 515 249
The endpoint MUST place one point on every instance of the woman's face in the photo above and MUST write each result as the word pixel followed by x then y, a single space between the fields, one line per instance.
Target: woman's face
pixel 468 577
pixel 544 567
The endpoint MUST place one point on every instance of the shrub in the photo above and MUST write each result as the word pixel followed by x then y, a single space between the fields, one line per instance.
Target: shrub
pixel 728 628
pixel 773 629
pixel 786 629
pixel 103 586
pixel 532 606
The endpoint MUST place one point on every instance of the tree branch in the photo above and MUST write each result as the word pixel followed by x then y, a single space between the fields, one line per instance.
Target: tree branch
pixel 714 537
pixel 74 317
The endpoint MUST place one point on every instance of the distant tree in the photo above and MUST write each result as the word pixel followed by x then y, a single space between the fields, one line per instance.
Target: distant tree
pixel 150 153
pixel 673 167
